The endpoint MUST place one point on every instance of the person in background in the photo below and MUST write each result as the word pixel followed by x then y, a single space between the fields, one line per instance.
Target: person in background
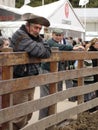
pixel 27 38
pixel 54 41
pixel 93 46
pixel 4 42
pixel 79 42
pixel 0 33
pixel 70 40
pixel 74 42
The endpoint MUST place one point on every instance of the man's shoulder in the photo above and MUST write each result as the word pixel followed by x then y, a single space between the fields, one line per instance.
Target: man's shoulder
pixel 19 34
pixel 51 41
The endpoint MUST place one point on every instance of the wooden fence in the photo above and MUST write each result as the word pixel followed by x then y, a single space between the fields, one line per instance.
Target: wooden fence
pixel 8 86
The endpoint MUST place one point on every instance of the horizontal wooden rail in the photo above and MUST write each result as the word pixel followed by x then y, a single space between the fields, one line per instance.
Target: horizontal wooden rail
pixel 22 57
pixel 10 86
pixel 31 106
pixel 61 116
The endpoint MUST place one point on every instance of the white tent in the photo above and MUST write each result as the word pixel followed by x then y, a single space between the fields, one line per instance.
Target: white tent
pixel 7 15
pixel 60 14
pixel 8 28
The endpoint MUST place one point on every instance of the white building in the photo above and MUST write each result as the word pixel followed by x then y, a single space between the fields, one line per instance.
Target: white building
pixel 10 3
pixel 89 17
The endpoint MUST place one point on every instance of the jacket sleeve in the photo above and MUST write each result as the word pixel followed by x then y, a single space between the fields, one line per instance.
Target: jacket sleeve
pixel 33 48
pixel 62 47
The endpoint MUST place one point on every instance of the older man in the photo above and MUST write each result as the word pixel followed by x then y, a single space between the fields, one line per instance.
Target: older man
pixel 27 39
pixel 54 41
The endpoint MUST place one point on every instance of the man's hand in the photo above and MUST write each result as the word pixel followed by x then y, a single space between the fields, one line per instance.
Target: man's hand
pixel 78 48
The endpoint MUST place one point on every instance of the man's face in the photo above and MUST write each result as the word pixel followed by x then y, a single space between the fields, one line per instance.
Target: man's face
pixel 34 29
pixel 57 37
pixel 6 44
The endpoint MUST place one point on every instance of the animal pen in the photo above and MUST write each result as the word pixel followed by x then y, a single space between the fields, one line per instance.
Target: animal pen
pixel 10 85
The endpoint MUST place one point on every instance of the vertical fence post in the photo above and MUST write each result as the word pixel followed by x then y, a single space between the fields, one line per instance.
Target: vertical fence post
pixel 53 86
pixel 80 81
pixel 96 78
pixel 7 73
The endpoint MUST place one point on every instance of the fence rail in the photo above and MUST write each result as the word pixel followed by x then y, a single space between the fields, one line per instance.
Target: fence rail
pixel 10 85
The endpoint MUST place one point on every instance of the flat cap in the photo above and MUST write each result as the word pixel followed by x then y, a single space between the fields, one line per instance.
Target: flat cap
pixel 58 31
pixel 32 18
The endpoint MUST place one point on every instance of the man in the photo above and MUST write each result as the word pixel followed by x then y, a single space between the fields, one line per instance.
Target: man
pixel 57 37
pixel 27 39
pixel 93 46
pixel 4 42
pixel 55 41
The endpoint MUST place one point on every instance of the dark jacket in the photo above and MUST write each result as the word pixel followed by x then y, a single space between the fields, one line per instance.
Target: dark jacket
pixel 62 47
pixel 95 62
pixel 34 46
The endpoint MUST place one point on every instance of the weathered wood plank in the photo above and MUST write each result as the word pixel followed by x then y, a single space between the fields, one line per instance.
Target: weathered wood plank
pixel 80 81
pixel 22 57
pixel 12 112
pixel 27 82
pixel 12 85
pixel 56 118
pixel 7 73
pixel 53 87
pixel 9 59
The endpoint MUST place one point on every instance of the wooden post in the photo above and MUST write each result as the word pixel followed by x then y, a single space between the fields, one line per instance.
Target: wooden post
pixel 7 73
pixel 96 76
pixel 53 86
pixel 80 81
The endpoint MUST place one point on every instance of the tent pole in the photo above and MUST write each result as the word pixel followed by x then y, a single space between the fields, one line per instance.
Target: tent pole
pixel 42 2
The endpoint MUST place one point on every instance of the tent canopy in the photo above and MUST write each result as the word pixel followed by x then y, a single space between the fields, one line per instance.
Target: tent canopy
pixel 60 14
pixel 9 13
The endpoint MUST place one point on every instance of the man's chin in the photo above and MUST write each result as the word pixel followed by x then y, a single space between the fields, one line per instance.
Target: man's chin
pixel 35 35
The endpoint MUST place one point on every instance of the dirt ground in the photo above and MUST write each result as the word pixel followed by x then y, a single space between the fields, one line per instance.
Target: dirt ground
pixel 86 121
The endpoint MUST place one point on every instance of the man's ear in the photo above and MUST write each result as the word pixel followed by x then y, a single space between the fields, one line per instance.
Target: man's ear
pixel 27 26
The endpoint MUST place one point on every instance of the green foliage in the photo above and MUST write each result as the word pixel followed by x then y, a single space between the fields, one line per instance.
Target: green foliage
pixel 19 3
pixel 75 3
pixel 91 4
pixel 33 3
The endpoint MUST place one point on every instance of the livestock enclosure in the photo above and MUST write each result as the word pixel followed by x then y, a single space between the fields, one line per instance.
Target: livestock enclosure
pixel 10 85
